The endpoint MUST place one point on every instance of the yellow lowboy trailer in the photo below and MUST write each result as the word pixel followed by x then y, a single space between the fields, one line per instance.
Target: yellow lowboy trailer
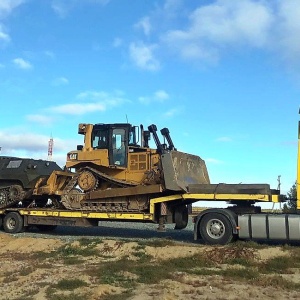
pixel 214 226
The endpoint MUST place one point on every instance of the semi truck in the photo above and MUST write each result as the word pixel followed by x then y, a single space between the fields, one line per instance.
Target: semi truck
pixel 115 175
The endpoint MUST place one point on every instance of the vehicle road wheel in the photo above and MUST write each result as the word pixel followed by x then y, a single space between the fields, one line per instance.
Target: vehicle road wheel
pixel 13 223
pixel 3 198
pixel 216 229
pixel 16 193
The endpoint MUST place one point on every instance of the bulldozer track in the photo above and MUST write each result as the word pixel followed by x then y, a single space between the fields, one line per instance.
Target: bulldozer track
pixel 76 201
pixel 110 179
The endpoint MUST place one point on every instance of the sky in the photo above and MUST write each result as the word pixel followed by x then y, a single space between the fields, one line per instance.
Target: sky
pixel 222 75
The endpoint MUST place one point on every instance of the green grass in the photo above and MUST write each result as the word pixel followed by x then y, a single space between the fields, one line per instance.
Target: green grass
pixel 73 260
pixel 280 264
pixel 70 250
pixel 53 294
pixel 157 243
pixel 90 242
pixel 26 271
pixel 70 284
pixel 278 281
pixel 240 273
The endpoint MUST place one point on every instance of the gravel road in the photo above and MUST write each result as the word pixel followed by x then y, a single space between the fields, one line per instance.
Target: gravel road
pixel 116 230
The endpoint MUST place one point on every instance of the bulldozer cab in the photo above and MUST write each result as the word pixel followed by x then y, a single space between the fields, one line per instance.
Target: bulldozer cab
pixel 115 138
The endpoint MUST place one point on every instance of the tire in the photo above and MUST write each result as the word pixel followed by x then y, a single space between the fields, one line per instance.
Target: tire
pixel 181 217
pixel 216 229
pixel 45 227
pixel 1 222
pixel 13 223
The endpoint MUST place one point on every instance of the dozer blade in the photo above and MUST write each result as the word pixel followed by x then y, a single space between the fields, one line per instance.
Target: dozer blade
pixel 182 169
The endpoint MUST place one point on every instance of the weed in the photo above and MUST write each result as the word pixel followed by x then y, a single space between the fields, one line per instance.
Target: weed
pixel 142 256
pixel 278 282
pixel 70 250
pixel 188 263
pixel 113 273
pixel 204 272
pixel 26 271
pixel 231 253
pixel 8 279
pixel 237 273
pixel 51 294
pixel 151 274
pixel 72 260
pixel 88 242
pixel 28 294
pixel 280 264
pixel 156 243
pixel 70 284
pixel 41 255
pixel 248 244
pixel 124 295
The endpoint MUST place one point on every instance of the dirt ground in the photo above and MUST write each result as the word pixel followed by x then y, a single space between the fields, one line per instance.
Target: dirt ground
pixel 32 269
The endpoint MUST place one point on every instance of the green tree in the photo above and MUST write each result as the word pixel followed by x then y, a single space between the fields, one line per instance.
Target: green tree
pixel 291 205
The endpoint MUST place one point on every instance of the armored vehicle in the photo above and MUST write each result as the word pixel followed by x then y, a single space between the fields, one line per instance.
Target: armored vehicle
pixel 18 177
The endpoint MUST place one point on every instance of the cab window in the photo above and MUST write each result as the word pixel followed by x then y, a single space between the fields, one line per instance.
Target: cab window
pixel 99 139
pixel 118 145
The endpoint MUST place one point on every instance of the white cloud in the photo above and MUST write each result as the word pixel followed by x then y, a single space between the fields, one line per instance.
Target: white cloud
pixel 144 24
pixel 213 161
pixel 62 8
pixel 110 99
pixel 117 42
pixel 6 6
pixel 224 139
pixel 172 112
pixel 32 145
pixel 161 95
pixel 91 101
pixel 224 23
pixel 22 64
pixel 40 119
pixel 22 141
pixel 50 54
pixel 143 56
pixel 4 37
pixel 60 81
pixel 158 96
pixel 78 108
pixel 288 31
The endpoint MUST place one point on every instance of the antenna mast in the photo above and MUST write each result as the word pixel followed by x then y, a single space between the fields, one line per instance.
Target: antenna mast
pixel 50 148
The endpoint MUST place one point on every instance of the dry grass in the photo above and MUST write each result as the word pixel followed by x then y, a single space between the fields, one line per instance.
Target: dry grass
pixel 221 265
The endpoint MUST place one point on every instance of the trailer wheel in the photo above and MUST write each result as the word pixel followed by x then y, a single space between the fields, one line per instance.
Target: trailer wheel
pixel 216 229
pixel 13 223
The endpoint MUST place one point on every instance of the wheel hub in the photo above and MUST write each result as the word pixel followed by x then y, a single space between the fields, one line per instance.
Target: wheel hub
pixel 215 228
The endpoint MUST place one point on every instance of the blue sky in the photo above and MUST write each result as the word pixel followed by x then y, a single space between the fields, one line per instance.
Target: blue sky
pixel 223 76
